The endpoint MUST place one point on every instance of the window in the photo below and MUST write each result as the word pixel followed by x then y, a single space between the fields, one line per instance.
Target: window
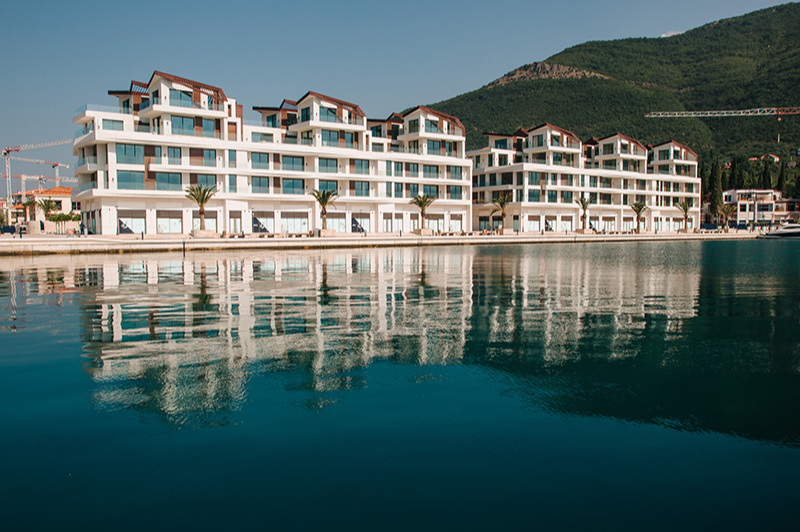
pixel 232 158
pixel 534 195
pixel 455 172
pixel 377 147
pixel 552 196
pixel 130 180
pixel 174 155
pixel 539 158
pixel 348 140
pixel 434 147
pixel 293 163
pixel 292 186
pixel 168 181
pixel 413 190
pixel 555 139
pixel 413 126
pixel 361 188
pixel 501 144
pixel 492 180
pixel 558 159
pixel 455 192
pixel 663 169
pixel 388 168
pixel 260 185
pixel 566 197
pixel 130 154
pixel 361 167
pixel 209 158
pixel 502 159
pixel 207 180
pixel 430 190
pixel 327 166
pixel 272 121
pixel 260 160
pixel 330 138
pixel 262 137
pixel 448 149
pixel 432 127
pixel 182 125
pixel 305 114
pixel 507 178
pixel 327 114
pixel 482 180
pixel 663 155
pixel 180 98
pixel 610 165
pixel 429 170
pixel 209 129
pixel 231 183
pixel 534 178
pixel 608 149
pixel 413 170
pixel 537 141
pixel 113 125
pixel 592 180
pixel 398 190
pixel 398 169
pixel 376 131
pixel 327 185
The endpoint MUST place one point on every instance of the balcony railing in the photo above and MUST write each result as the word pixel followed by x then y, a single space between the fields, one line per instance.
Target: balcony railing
pixel 102 109
pixel 85 130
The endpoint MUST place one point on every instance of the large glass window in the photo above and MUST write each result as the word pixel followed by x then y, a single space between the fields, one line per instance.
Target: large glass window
pixel 434 147
pixel 413 170
pixel 209 129
pixel 260 185
pixel 330 138
pixel 182 125
pixel 432 127
pixel 114 125
pixel 534 195
pixel 663 155
pixel 293 163
pixel 501 144
pixel 552 196
pixel 272 121
pixel 455 192
pixel 327 185
pixel 207 180
pixel 174 155
pixel 130 180
pixel 413 126
pixel 430 190
pixel 348 140
pixel 260 160
pixel 398 169
pixel 361 188
pixel 130 154
pixel 168 181
pixel 209 157
pixel 262 137
pixel 455 172
pixel 179 98
pixel 231 183
pixel 327 166
pixel 305 114
pixel 292 186
pixel 429 170
pixel 608 148
pixel 398 190
pixel 413 190
pixel 327 114
pixel 361 167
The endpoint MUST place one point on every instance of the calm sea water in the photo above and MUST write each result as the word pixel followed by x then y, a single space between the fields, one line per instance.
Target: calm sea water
pixel 607 386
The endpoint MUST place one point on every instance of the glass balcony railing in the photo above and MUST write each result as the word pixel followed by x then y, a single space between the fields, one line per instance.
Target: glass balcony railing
pixel 85 130
pixel 102 109
pixel 148 103
pixel 87 186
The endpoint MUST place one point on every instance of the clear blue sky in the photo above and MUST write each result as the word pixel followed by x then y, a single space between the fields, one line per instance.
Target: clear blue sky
pixel 384 56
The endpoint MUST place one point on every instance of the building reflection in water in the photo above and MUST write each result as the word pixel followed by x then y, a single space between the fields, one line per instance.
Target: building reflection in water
pixel 586 330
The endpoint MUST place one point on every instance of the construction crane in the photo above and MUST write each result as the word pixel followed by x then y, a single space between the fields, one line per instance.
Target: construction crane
pixel 41 161
pixel 8 150
pixel 761 111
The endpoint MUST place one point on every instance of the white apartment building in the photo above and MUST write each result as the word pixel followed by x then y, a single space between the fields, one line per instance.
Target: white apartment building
pixel 758 206
pixel 546 169
pixel 136 160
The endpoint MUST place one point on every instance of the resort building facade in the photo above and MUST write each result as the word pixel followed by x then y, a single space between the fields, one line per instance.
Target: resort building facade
pixel 137 159
pixel 546 169
pixel 760 206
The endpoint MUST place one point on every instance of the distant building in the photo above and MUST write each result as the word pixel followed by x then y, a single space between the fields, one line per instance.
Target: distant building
pixel 760 205
pixel 546 169
pixel 61 196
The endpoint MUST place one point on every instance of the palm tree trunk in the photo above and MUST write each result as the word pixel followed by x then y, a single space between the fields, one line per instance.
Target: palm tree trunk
pixel 202 219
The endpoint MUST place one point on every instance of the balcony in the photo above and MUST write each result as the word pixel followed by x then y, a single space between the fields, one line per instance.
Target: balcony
pixel 101 109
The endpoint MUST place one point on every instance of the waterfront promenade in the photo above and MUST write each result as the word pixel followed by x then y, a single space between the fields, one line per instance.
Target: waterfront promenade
pixel 58 244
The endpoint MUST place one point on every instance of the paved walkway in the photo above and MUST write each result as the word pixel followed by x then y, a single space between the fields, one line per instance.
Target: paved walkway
pixel 58 244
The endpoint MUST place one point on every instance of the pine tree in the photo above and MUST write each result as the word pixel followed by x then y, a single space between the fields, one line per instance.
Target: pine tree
pixel 782 179
pixel 766 176
pixel 716 188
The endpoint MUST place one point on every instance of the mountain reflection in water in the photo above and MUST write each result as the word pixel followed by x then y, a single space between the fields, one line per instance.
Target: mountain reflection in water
pixel 693 336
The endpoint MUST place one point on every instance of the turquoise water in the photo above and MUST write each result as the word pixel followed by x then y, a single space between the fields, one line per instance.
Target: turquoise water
pixel 617 386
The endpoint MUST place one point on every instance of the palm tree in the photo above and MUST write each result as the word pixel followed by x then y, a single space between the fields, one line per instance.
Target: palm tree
pixel 584 204
pixel 325 198
pixel 501 204
pixel 727 210
pixel 423 202
pixel 201 195
pixel 47 206
pixel 639 209
pixel 684 207
pixel 29 209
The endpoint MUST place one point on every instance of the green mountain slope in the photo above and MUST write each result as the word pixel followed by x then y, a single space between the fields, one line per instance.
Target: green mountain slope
pixel 599 88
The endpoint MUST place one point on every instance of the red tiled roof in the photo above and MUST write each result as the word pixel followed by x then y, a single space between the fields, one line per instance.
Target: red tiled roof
pixel 626 137
pixel 559 129
pixel 437 113
pixel 216 91
pixel 351 106
pixel 685 147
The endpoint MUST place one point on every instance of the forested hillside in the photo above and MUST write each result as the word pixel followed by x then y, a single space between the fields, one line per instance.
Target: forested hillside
pixel 599 88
